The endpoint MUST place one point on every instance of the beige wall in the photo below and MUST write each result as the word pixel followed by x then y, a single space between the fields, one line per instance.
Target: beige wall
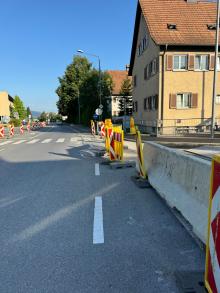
pixel 4 104
pixel 200 82
pixel 115 106
pixel 145 88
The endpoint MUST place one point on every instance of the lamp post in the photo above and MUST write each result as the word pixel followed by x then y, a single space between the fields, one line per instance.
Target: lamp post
pixel 215 72
pixel 100 88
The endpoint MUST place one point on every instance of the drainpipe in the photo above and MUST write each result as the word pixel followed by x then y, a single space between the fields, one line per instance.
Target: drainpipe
pixel 162 82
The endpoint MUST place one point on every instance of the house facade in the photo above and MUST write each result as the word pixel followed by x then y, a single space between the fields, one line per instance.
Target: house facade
pixel 6 101
pixel 172 66
pixel 118 77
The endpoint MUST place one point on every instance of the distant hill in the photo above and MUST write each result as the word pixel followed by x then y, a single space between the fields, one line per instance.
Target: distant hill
pixel 35 114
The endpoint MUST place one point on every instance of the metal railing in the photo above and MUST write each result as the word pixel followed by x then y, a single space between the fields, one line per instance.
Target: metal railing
pixel 177 127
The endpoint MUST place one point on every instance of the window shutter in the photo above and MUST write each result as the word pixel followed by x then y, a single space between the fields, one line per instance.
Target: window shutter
pixel 194 100
pixel 211 62
pixel 157 65
pixel 156 102
pixel 172 101
pixel 191 62
pixel 169 62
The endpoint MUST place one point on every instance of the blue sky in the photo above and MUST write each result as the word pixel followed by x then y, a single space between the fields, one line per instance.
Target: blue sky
pixel 39 39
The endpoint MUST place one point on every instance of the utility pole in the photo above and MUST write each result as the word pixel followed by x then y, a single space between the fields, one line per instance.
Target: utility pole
pixel 215 71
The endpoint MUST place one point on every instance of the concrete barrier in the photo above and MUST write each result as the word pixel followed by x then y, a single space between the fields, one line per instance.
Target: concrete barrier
pixel 183 181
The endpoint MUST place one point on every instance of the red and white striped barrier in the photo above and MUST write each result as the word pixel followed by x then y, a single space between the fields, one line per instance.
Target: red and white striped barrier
pixel 21 129
pixel 2 131
pixel 103 130
pixel 28 127
pixel 12 130
pixel 212 272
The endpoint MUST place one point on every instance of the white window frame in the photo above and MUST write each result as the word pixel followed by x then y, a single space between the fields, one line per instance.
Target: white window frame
pixel 179 62
pixel 217 100
pixel 184 95
pixel 207 62
pixel 218 63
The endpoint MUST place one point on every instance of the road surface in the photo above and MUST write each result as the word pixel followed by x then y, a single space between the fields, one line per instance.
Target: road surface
pixel 70 224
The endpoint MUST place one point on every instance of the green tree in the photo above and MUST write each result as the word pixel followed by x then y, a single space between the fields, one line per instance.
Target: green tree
pixel 125 102
pixel 69 87
pixel 19 108
pixel 42 117
pixel 28 112
pixel 80 79
pixel 89 95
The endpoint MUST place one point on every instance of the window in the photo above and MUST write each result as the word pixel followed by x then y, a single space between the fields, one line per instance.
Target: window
pixel 218 63
pixel 135 80
pixel 150 69
pixel 201 62
pixel 217 99
pixel 154 102
pixel 154 66
pixel 145 104
pixel 145 73
pixel 180 62
pixel 183 101
pixel 136 106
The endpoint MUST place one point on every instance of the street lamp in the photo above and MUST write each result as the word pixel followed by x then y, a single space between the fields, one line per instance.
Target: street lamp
pixel 215 72
pixel 96 56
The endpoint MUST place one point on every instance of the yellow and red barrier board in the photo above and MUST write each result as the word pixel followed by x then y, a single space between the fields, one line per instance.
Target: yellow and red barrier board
pixel 212 272
pixel 140 156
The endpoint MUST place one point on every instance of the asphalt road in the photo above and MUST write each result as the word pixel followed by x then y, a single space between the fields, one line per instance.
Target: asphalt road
pixel 70 224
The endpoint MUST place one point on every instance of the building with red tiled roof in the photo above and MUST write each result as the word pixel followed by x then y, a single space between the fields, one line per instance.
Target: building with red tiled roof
pixel 118 77
pixel 172 65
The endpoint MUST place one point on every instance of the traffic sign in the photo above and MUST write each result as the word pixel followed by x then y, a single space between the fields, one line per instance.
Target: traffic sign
pixel 98 111
pixel 101 106
pixel 95 116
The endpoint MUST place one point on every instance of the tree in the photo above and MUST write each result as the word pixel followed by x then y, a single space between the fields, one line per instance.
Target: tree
pixel 28 112
pixel 42 117
pixel 125 102
pixel 69 87
pixel 80 79
pixel 89 95
pixel 19 108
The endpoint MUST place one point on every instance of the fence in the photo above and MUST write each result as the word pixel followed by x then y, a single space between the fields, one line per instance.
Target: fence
pixel 177 127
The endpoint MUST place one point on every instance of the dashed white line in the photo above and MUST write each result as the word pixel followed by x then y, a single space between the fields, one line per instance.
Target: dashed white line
pixel 20 141
pixel 60 140
pixel 98 231
pixel 5 142
pixel 97 170
pixel 33 141
pixel 2 150
pixel 47 140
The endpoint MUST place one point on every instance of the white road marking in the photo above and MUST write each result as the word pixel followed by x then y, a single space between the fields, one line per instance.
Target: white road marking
pixel 33 141
pixel 20 141
pixel 2 150
pixel 97 170
pixel 5 142
pixel 47 140
pixel 60 140
pixel 98 231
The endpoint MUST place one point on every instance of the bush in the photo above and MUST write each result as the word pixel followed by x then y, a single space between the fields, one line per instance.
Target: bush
pixel 15 122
